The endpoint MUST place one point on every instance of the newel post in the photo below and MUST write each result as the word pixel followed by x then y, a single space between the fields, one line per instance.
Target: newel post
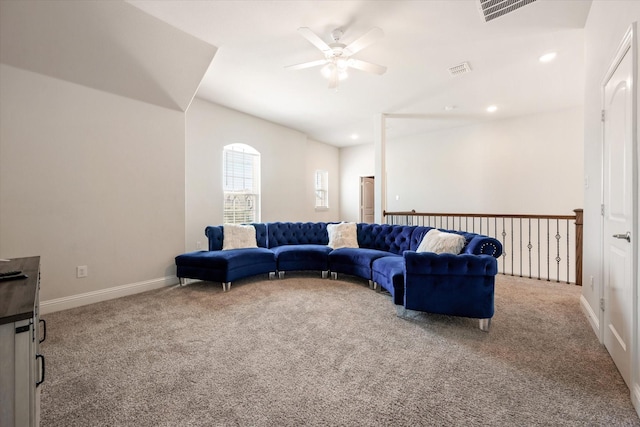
pixel 579 215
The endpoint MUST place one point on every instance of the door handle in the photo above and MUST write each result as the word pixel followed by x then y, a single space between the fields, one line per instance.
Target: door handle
pixel 626 236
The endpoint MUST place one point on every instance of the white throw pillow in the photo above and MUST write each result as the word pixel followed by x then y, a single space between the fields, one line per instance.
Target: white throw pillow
pixel 440 242
pixel 343 235
pixel 238 236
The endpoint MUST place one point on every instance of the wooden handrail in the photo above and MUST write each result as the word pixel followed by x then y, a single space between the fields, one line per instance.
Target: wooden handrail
pixel 475 215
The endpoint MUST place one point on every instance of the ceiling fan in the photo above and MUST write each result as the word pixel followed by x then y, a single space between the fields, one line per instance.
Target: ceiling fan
pixel 338 57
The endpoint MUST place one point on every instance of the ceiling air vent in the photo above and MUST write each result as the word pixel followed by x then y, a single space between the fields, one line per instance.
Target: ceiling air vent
pixel 459 69
pixel 492 9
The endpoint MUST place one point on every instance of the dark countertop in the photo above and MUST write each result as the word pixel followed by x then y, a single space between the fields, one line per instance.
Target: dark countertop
pixel 18 297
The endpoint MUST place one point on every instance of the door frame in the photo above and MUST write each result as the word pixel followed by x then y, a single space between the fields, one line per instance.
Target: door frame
pixel 628 45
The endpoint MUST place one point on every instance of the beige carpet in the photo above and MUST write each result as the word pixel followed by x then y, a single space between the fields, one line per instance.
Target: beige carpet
pixel 308 351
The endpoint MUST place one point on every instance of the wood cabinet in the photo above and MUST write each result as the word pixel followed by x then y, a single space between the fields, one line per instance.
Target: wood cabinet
pixel 22 366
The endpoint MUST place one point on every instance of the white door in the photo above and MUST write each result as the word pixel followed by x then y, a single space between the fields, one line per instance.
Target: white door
pixel 618 221
pixel 367 205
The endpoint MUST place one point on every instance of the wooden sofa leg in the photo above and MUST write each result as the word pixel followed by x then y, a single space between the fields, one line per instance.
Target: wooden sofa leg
pixel 226 286
pixel 485 324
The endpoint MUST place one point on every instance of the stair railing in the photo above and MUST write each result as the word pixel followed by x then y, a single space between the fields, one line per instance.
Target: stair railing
pixel 534 246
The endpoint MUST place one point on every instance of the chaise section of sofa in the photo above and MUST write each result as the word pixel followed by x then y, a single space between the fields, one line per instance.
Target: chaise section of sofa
pixel 226 266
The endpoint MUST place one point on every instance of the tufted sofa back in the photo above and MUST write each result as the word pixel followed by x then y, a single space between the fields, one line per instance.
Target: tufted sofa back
pixel 385 237
pixel 297 233
pixel 215 234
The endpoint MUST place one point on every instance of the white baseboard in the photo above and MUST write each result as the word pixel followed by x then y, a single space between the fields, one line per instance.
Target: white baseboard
pixel 635 397
pixel 65 303
pixel 591 315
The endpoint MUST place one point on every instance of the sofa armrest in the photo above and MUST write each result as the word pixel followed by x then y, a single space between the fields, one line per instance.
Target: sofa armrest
pixel 483 245
pixel 429 263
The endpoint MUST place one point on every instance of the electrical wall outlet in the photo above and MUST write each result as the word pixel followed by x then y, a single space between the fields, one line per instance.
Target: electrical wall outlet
pixel 591 282
pixel 198 244
pixel 82 271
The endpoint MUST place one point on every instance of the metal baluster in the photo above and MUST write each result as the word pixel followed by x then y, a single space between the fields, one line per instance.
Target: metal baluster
pixel 520 244
pixel 548 253
pixel 529 246
pixel 538 248
pixel 512 248
pixel 568 266
pixel 558 259
pixel 504 248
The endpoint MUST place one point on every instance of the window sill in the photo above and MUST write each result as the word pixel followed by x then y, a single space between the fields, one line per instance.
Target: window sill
pixel 321 209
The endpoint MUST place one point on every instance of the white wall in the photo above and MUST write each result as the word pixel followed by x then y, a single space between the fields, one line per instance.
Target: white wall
pixel 525 165
pixel 288 163
pixel 607 23
pixel 89 178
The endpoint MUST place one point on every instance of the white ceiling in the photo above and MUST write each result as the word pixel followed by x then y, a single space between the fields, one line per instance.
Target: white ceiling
pixel 257 39
pixel 120 48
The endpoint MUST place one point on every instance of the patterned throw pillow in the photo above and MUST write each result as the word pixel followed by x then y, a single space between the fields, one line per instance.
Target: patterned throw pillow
pixel 236 236
pixel 440 242
pixel 343 235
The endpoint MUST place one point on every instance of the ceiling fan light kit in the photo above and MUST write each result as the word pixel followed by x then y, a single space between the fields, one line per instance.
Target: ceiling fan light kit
pixel 338 56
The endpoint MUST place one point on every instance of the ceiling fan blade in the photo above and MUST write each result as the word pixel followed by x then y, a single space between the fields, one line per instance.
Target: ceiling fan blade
pixel 364 41
pixel 369 67
pixel 306 64
pixel 314 39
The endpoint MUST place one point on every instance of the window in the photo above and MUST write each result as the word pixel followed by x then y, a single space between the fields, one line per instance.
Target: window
pixel 241 182
pixel 322 189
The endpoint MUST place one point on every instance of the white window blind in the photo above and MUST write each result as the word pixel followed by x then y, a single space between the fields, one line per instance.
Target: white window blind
pixel 322 189
pixel 241 182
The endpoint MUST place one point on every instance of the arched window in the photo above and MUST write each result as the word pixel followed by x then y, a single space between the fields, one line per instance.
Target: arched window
pixel 241 182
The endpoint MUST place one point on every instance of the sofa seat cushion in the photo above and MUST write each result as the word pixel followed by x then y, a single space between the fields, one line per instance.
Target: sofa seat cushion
pixel 302 257
pixel 354 261
pixel 388 272
pixel 225 266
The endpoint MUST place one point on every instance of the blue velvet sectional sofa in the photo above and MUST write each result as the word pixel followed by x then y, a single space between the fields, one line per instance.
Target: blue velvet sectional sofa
pixel 452 284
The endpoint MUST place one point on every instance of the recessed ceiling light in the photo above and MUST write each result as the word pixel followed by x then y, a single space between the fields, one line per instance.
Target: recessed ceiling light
pixel 450 108
pixel 492 109
pixel 355 136
pixel 547 57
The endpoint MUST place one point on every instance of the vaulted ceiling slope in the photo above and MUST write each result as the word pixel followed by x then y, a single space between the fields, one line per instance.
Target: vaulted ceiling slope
pixel 106 45
pixel 422 39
